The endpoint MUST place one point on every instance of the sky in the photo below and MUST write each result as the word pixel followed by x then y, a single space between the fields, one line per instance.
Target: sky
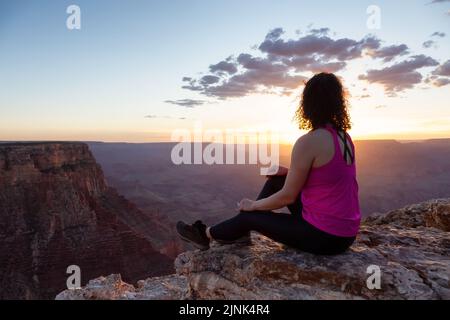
pixel 138 70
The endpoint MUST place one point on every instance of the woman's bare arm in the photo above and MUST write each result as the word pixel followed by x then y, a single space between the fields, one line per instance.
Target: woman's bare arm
pixel 302 157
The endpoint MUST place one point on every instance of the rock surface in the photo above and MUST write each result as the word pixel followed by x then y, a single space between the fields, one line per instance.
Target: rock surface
pixel 171 287
pixel 411 246
pixel 56 210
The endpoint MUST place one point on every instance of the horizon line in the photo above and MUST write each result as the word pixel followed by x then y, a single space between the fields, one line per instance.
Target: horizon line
pixel 205 141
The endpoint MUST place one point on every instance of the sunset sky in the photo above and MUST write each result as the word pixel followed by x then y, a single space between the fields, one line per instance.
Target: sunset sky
pixel 137 70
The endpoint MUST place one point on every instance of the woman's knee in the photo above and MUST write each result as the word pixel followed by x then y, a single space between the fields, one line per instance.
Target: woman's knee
pixel 230 229
pixel 272 185
pixel 245 217
pixel 276 181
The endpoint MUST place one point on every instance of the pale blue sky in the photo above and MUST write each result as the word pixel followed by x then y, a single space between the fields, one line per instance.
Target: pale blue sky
pixel 98 83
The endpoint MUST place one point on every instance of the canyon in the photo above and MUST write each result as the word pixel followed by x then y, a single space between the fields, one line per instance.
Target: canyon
pixel 56 210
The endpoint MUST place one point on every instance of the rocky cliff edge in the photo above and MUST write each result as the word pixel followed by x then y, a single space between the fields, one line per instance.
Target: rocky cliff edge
pixel 410 246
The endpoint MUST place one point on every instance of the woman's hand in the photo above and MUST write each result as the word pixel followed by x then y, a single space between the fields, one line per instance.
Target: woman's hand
pixel 303 155
pixel 246 205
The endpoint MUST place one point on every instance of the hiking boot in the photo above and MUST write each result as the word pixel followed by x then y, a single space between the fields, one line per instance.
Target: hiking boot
pixel 245 241
pixel 194 234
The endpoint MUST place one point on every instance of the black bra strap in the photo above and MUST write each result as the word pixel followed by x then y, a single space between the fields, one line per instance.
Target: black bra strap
pixel 347 152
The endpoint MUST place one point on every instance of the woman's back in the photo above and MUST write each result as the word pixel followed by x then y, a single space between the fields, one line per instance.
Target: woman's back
pixel 322 173
pixel 330 194
pixel 326 147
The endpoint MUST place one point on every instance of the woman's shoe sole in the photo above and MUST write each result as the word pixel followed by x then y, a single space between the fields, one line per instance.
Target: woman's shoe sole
pixel 195 244
pixel 246 242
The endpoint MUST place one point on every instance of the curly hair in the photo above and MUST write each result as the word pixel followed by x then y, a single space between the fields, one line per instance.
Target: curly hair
pixel 324 101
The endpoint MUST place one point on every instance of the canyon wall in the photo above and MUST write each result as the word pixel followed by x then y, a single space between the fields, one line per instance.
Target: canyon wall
pixel 56 210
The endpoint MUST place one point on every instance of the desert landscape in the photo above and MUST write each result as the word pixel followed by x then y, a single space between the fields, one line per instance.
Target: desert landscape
pixel 110 208
pixel 391 174
pixel 99 199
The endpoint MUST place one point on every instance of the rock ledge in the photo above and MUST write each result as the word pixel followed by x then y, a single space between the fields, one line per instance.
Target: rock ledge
pixel 411 246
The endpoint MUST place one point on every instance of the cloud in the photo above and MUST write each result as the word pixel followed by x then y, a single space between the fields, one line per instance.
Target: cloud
pixel 400 76
pixel 428 44
pixel 209 79
pixel 440 82
pixel 443 69
pixel 281 65
pixel 320 31
pixel 440 76
pixel 314 65
pixel 188 103
pixel 390 52
pixel 432 43
pixel 274 34
pixel 223 67
pixel 438 34
pixel 258 77
pixel 320 45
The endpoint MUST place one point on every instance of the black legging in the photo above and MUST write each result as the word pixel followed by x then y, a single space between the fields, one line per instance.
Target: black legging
pixel 290 229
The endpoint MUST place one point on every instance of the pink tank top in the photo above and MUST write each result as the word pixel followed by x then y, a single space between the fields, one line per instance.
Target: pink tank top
pixel 330 194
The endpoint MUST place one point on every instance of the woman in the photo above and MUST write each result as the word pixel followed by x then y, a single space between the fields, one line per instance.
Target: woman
pixel 320 188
